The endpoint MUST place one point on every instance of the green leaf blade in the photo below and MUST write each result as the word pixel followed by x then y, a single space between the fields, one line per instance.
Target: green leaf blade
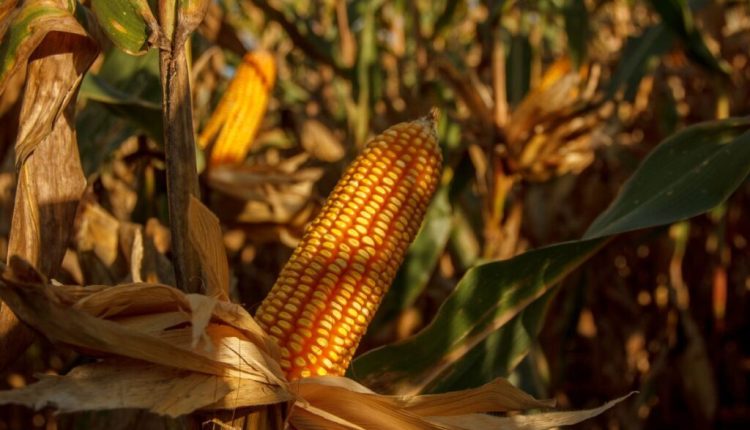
pixel 123 24
pixel 487 297
pixel 487 325
pixel 686 175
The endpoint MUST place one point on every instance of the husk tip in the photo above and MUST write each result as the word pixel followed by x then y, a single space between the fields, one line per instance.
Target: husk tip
pixel 433 116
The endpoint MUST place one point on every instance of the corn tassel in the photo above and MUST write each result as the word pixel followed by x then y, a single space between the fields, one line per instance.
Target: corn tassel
pixel 237 118
pixel 329 290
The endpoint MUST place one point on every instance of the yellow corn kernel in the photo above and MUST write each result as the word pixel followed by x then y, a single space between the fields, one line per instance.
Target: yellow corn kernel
pixel 234 123
pixel 341 295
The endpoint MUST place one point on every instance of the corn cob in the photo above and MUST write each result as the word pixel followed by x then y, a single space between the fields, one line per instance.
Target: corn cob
pixel 329 290
pixel 240 111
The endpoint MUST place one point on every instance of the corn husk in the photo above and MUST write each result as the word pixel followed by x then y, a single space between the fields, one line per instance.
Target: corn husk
pixel 173 353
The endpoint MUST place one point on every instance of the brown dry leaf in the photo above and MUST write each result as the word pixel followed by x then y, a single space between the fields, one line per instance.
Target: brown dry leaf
pixel 136 256
pixel 50 179
pixel 6 8
pixel 54 73
pixel 320 142
pixel 54 17
pixel 10 108
pixel 147 323
pixel 358 407
pixel 157 268
pixel 272 192
pixel 558 87
pixel 37 305
pixel 554 130
pixel 201 310
pixel 206 237
pixel 129 384
pixel 111 251
pixel 468 89
pixel 312 418
pixel 540 421
pixel 174 353
pixel 352 409
pixel 496 396
pixel 148 300
pixel 152 360
pixel 97 243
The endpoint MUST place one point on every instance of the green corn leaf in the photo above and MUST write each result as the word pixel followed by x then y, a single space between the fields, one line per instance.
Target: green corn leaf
pixel 486 325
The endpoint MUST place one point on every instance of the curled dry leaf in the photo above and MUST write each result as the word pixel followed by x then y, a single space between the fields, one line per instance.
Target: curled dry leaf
pixel 206 238
pixel 50 178
pixel 154 324
pixel 112 251
pixel 97 243
pixel 6 8
pixel 555 128
pixel 163 390
pixel 269 192
pixel 320 142
pixel 526 422
pixel 174 353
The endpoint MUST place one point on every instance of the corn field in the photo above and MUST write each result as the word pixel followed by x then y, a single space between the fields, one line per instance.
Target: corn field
pixel 346 214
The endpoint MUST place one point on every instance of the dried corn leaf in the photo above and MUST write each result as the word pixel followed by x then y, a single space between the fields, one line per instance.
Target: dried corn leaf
pixel 206 237
pixel 127 301
pixel 53 76
pixel 154 323
pixel 129 384
pixel 136 255
pixel 237 366
pixel 173 374
pixel 201 310
pixel 97 243
pixel 6 8
pixel 38 307
pixel 29 25
pixel 496 396
pixel 174 353
pixel 556 91
pixel 353 409
pixel 264 193
pixel 331 402
pixel 50 179
pixel 540 421
pixel 320 142
pixel 157 268
pixel 553 130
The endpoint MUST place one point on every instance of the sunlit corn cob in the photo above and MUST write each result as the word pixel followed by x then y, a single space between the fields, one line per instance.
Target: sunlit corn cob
pixel 236 119
pixel 329 290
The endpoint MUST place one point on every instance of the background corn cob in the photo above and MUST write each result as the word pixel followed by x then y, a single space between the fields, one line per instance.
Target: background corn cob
pixel 329 290
pixel 241 109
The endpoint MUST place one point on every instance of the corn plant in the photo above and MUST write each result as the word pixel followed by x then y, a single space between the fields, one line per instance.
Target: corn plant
pixel 250 214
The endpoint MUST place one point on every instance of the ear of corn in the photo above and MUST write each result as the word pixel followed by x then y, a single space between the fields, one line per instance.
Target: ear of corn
pixel 329 290
pixel 236 119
